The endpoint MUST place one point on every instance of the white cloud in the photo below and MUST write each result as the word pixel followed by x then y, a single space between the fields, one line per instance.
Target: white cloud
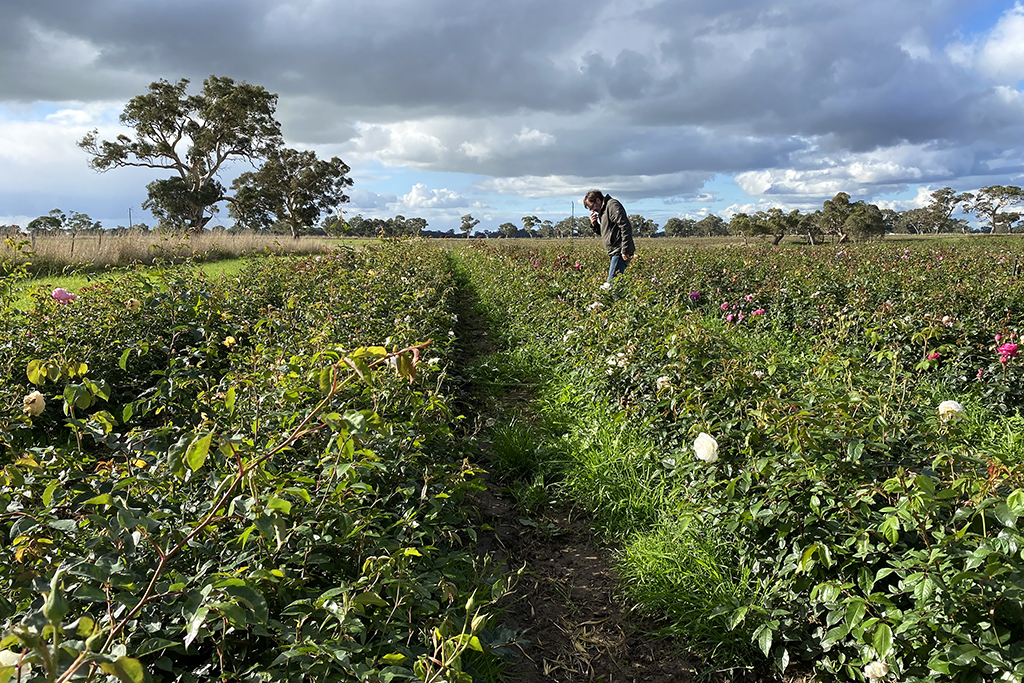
pixel 536 187
pixel 407 142
pixel 421 197
pixel 1002 54
pixel 530 136
pixel 997 55
pixel 826 175
pixel 922 199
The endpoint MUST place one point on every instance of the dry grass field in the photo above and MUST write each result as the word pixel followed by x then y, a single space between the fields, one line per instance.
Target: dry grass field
pixel 100 251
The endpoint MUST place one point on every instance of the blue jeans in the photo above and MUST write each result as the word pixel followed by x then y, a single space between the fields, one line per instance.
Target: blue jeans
pixel 617 265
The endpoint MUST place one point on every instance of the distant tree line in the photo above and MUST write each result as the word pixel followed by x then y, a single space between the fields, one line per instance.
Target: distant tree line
pixel 844 220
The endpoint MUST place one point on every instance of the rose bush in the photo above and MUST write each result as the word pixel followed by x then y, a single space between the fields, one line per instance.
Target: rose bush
pixel 858 530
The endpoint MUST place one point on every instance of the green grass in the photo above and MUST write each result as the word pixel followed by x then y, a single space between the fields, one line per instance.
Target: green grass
pixel 687 573
pixel 73 282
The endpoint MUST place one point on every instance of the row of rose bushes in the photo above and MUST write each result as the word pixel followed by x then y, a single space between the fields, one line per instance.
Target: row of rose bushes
pixel 255 479
pixel 835 519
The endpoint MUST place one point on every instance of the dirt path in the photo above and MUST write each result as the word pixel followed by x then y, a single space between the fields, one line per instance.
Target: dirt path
pixel 564 609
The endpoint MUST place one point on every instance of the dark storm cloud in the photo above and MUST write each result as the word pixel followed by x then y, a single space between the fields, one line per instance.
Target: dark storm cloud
pixel 539 88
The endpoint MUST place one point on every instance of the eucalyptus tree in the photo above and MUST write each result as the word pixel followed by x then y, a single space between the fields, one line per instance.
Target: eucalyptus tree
pixel 468 223
pixel 291 186
pixel 989 202
pixel 712 225
pixel 193 136
pixel 944 203
pixel 530 225
pixel 680 227
pixel 643 227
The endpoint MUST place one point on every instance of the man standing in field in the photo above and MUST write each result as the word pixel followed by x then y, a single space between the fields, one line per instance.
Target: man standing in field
pixel 609 220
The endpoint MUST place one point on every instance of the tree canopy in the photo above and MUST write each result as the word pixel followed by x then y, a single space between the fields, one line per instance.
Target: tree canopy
pixel 192 135
pixel 291 186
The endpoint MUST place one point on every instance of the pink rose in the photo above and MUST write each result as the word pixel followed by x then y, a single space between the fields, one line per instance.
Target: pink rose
pixel 62 295
pixel 934 356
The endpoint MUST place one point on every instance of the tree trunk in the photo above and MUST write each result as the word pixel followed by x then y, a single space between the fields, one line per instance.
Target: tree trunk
pixel 778 238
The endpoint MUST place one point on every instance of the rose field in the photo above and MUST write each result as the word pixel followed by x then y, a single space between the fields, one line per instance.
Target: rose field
pixel 806 461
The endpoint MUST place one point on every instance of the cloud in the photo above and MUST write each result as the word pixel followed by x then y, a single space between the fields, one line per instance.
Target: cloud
pixel 626 187
pixel 998 55
pixel 798 99
pixel 420 197
pixel 364 200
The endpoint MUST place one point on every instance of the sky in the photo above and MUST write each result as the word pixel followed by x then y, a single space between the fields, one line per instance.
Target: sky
pixel 502 110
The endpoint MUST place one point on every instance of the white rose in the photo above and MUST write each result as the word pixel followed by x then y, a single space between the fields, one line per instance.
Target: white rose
pixel 606 285
pixel 876 671
pixel 950 410
pixel 35 404
pixel 664 381
pixel 706 448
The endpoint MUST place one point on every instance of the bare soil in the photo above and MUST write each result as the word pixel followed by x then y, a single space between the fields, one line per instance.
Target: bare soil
pixel 574 626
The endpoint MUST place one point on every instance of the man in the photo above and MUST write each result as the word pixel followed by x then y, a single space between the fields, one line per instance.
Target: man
pixel 609 220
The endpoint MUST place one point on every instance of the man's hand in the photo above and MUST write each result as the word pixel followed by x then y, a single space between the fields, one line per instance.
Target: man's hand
pixel 627 257
pixel 594 217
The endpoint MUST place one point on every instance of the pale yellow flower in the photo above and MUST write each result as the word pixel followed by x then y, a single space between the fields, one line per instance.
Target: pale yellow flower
pixel 228 342
pixel 133 304
pixel 876 671
pixel 35 404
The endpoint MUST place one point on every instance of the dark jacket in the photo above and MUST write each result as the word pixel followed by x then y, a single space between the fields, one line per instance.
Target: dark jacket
pixel 614 228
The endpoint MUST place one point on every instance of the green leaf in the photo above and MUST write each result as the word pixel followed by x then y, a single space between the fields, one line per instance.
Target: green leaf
pixel 882 640
pixel 963 654
pixel 369 598
pixel 102 499
pixel 890 529
pixel 281 504
pixel 938 663
pixel 231 611
pixel 1016 501
pixel 855 612
pixel 1004 514
pixel 925 483
pixel 737 616
pixel 229 400
pixel 48 493
pixel 36 372
pixel 197 451
pixel 324 380
pixel 126 669
pixel 764 639
pixel 123 362
pixel 195 623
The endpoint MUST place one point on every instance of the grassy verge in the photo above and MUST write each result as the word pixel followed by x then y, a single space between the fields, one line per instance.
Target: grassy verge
pixel 75 282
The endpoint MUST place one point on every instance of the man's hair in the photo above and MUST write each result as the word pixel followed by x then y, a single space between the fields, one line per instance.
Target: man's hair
pixel 592 197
